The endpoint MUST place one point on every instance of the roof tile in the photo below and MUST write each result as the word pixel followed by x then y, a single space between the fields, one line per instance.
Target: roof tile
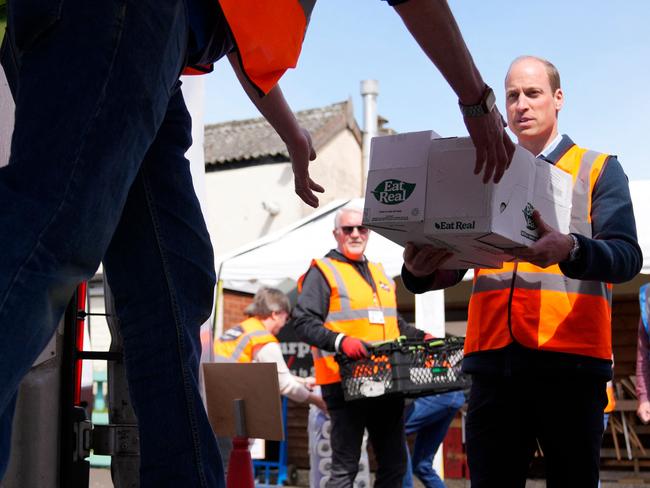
pixel 253 139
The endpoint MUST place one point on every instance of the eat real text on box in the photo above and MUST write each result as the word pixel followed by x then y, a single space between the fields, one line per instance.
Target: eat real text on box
pixel 421 188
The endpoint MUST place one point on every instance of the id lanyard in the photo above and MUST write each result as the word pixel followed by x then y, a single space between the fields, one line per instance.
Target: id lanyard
pixel 376 314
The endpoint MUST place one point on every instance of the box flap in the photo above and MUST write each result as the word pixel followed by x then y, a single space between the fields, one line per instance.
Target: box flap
pixel 400 150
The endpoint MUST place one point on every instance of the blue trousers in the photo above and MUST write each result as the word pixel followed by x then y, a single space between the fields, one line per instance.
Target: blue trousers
pixel 429 417
pixel 97 172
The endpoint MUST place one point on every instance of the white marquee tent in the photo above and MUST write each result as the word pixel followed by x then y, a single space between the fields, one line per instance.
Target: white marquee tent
pixel 286 254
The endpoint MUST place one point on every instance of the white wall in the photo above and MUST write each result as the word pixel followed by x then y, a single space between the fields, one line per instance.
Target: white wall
pixel 235 197
pixel 194 94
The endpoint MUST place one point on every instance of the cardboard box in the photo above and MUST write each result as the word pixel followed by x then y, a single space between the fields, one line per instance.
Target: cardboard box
pixel 256 386
pixel 421 188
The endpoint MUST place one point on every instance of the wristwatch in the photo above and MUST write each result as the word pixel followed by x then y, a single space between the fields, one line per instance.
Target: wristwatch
pixel 575 250
pixel 484 107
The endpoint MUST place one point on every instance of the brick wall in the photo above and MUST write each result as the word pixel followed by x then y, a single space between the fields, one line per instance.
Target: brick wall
pixel 297 434
pixel 234 304
pixel 625 324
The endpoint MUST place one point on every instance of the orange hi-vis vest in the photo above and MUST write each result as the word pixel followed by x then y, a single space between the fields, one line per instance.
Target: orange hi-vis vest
pixel 269 36
pixel 239 343
pixel 540 308
pixel 353 307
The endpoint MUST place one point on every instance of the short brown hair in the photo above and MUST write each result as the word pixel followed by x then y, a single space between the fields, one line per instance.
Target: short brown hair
pixel 266 301
pixel 551 71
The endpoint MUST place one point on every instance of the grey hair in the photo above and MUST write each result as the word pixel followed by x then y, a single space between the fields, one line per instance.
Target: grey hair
pixel 266 301
pixel 348 207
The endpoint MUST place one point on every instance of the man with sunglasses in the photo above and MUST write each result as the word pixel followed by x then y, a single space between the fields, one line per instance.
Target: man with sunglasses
pixel 345 303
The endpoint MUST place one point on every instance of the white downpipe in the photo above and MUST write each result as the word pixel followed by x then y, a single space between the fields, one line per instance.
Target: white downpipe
pixel 430 312
pixel 194 93
pixel 369 92
pixel 430 317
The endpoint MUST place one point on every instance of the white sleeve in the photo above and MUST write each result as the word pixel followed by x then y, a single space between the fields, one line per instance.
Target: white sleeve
pixel 289 384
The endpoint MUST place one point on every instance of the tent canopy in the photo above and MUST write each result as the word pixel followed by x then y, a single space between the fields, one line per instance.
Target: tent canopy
pixel 286 254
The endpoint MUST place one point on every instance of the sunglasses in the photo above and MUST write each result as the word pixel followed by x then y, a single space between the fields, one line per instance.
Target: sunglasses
pixel 348 229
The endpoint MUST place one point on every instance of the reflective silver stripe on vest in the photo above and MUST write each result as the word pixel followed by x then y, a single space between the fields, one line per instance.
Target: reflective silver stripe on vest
pixel 358 314
pixel 344 296
pixel 239 350
pixel 346 312
pixel 580 200
pixel 542 281
pixel 307 7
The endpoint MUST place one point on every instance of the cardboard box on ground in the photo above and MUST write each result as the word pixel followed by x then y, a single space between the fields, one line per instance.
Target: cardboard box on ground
pixel 421 188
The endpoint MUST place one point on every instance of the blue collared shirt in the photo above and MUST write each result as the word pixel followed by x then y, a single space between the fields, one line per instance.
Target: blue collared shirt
pixel 550 148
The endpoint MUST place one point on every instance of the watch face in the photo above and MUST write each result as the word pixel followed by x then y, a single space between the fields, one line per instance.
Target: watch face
pixel 489 101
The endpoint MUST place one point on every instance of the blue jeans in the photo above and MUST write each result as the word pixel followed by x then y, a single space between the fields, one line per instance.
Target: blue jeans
pixel 97 172
pixel 429 417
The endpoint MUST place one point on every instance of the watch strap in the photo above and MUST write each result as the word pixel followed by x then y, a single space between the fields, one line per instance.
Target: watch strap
pixel 484 107
pixel 574 253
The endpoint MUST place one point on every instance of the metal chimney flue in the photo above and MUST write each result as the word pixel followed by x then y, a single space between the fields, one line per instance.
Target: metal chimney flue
pixel 369 92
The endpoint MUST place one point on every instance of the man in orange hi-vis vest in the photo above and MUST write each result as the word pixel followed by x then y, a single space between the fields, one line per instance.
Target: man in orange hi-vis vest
pixel 538 341
pixel 346 302
pixel 97 173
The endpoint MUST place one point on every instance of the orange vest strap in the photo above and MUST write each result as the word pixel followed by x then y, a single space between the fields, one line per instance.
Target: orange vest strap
pixel 541 308
pixel 237 343
pixel 198 69
pixel 351 301
pixel 268 35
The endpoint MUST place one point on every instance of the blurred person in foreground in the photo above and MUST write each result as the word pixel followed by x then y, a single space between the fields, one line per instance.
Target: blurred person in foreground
pixel 97 173
pixel 345 303
pixel 538 341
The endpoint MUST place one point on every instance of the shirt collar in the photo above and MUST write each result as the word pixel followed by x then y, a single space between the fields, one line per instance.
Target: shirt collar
pixel 556 149
pixel 550 147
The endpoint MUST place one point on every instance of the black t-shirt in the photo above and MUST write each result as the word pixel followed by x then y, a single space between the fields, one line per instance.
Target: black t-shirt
pixel 210 37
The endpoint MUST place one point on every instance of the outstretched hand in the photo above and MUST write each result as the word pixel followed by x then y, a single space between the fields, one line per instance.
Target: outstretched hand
pixel 494 149
pixel 551 248
pixel 301 152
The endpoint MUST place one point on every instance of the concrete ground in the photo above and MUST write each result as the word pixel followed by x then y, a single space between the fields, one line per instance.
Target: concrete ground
pixel 101 478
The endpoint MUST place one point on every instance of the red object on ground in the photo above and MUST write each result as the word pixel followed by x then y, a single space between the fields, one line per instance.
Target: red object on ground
pixel 454 457
pixel 79 340
pixel 240 466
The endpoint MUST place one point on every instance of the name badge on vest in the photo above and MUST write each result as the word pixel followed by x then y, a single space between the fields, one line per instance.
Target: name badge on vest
pixel 376 316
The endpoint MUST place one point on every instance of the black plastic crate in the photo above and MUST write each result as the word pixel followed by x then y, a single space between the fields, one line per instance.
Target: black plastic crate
pixel 405 368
